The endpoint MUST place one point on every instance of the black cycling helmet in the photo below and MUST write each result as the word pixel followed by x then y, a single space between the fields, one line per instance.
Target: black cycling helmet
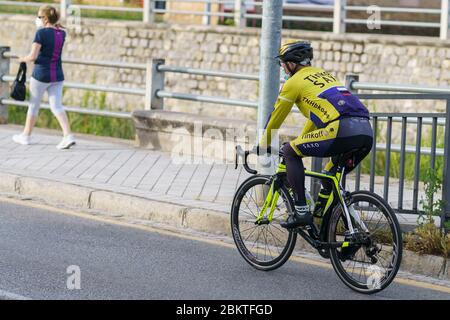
pixel 299 52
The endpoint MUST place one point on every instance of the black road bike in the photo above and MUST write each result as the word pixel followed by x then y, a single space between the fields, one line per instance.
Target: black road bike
pixel 359 231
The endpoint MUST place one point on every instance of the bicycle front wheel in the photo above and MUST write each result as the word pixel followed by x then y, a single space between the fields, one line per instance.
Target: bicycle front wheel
pixel 371 261
pixel 265 246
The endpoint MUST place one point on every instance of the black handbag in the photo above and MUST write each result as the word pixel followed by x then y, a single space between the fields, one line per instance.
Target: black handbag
pixel 18 89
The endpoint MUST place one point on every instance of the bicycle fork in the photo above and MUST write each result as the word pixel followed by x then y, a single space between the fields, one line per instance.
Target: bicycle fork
pixel 270 200
pixel 272 196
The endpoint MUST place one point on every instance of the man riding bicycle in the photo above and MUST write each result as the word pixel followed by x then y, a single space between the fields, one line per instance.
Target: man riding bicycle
pixel 337 122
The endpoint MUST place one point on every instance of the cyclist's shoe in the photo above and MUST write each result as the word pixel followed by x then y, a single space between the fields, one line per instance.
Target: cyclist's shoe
pixel 301 217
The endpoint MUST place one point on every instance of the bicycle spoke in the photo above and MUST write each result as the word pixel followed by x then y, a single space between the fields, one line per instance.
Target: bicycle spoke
pixel 268 248
pixel 246 204
pixel 278 228
pixel 376 230
pixel 371 217
pixel 277 247
pixel 265 241
pixel 378 222
pixel 275 217
pixel 365 274
pixel 256 203
pixel 385 269
pixel 256 242
pixel 362 267
pixel 252 227
pixel 250 235
pixel 249 214
pixel 354 265
pixel 268 243
pixel 275 237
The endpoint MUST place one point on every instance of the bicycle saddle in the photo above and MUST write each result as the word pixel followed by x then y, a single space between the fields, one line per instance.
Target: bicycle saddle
pixel 346 159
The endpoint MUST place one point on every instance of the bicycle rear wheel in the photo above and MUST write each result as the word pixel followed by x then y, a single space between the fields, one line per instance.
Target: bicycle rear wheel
pixel 264 246
pixel 372 265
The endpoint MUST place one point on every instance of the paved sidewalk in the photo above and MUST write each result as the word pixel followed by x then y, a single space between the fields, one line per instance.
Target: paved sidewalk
pixel 122 168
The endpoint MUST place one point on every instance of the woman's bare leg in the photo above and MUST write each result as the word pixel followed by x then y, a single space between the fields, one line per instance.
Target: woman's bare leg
pixel 29 124
pixel 64 123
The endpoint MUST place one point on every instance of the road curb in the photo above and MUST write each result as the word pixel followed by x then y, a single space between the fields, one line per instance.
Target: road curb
pixel 433 266
pixel 58 192
pixel 176 215
pixel 8 182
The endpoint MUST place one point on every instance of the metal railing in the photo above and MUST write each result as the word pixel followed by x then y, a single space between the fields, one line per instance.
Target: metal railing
pixel 417 120
pixel 240 11
pixel 155 93
pixel 5 77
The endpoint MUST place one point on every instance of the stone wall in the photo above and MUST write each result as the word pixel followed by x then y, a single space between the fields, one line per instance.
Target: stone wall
pixel 376 58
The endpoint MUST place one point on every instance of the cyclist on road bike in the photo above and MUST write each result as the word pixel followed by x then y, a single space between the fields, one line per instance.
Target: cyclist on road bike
pixel 337 122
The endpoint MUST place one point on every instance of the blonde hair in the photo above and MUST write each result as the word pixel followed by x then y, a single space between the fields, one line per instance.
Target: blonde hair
pixel 51 14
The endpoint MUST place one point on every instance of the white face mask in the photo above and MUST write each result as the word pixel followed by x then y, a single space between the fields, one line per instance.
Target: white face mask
pixel 283 74
pixel 39 23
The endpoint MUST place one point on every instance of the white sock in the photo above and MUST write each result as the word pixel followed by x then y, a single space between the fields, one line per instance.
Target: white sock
pixel 301 210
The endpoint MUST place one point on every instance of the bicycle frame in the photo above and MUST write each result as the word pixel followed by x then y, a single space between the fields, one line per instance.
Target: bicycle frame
pixel 338 191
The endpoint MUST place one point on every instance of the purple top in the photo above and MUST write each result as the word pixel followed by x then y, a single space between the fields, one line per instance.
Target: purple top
pixel 48 65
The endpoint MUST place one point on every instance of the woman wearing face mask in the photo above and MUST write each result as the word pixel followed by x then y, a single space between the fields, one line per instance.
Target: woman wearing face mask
pixel 47 75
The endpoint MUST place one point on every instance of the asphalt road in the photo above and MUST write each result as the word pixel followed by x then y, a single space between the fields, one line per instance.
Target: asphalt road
pixel 123 262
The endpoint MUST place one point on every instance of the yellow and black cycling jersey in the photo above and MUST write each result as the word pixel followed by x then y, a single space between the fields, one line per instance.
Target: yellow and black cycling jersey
pixel 319 96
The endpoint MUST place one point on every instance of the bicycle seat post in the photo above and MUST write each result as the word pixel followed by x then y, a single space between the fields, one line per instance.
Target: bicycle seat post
pixel 344 205
pixel 342 179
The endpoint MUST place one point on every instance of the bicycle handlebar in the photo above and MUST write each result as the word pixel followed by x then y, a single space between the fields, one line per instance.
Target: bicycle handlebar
pixel 240 153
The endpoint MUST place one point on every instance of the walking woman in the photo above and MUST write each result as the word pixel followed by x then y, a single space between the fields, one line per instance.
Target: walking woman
pixel 47 75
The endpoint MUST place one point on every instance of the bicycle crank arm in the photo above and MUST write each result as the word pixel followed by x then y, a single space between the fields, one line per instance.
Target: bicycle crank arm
pixel 324 245
pixel 335 245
